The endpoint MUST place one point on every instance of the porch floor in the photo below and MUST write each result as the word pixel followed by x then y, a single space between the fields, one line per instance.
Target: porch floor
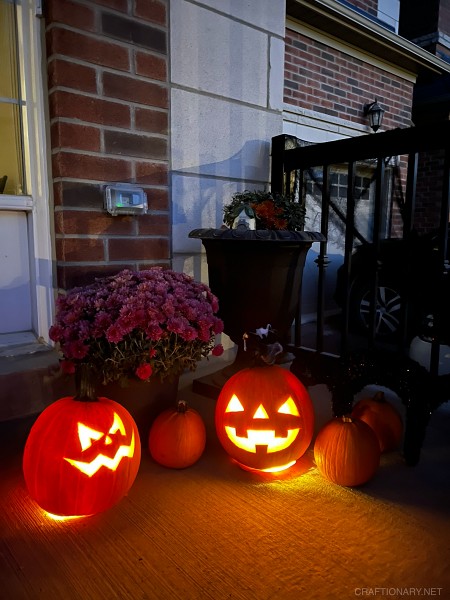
pixel 215 531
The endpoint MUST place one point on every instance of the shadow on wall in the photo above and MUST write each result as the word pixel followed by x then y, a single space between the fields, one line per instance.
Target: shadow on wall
pixel 199 192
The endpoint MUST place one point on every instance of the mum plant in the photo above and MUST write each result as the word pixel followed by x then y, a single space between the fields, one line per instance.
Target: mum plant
pixel 270 211
pixel 137 324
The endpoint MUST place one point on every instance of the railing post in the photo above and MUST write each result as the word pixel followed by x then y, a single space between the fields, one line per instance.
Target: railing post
pixel 442 267
pixel 349 233
pixel 376 264
pixel 280 143
pixel 322 260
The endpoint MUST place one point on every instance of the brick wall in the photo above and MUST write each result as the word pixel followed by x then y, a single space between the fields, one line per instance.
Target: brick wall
pixel 370 6
pixel 109 115
pixel 328 81
pixel 429 190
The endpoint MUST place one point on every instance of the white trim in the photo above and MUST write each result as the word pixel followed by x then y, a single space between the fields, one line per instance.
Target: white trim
pixel 313 126
pixel 352 51
pixel 9 202
pixel 32 65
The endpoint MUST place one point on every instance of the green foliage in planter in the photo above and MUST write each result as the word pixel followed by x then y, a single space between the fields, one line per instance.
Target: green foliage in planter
pixel 271 211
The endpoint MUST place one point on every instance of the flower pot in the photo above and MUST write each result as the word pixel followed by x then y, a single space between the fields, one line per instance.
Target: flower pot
pixel 257 278
pixel 144 400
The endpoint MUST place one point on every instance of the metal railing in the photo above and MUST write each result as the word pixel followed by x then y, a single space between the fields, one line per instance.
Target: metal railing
pixel 401 163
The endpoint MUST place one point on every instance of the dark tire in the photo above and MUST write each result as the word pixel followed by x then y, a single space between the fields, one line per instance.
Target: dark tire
pixel 388 309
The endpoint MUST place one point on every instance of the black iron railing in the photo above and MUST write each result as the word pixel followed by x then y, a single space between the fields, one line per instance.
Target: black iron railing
pixel 407 173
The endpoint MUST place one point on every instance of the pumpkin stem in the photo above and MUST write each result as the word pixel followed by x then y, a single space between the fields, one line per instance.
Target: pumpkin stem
pixel 347 419
pixel 85 384
pixel 182 406
pixel 379 397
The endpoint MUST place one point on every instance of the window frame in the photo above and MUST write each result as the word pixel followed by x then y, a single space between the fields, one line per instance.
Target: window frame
pixel 39 201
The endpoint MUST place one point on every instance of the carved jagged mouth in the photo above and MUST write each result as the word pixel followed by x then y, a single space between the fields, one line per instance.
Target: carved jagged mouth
pixel 265 437
pixel 90 468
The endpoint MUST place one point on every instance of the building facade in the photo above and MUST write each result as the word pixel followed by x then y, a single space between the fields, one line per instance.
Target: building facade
pixel 181 99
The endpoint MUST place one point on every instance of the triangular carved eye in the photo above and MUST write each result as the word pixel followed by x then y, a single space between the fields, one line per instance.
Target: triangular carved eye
pixel 261 413
pixel 117 425
pixel 86 435
pixel 289 408
pixel 234 405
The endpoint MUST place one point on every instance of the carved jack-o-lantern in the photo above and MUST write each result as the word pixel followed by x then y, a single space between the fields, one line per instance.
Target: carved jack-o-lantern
pixel 81 458
pixel 264 418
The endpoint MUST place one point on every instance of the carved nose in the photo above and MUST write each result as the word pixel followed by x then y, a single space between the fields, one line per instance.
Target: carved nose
pixel 260 413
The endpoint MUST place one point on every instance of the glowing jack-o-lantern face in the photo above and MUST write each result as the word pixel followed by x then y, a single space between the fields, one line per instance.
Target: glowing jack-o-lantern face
pixel 87 436
pixel 81 458
pixel 264 418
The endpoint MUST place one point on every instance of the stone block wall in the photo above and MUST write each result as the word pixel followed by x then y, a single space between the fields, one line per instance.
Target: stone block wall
pixel 226 104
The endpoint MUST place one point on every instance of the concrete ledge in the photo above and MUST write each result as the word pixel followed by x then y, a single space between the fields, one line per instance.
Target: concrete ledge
pixel 30 380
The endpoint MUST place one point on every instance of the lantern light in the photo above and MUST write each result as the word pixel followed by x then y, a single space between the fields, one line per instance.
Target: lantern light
pixel 81 457
pixel 375 113
pixel 264 418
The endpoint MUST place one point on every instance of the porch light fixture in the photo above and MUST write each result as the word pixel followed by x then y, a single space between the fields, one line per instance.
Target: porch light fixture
pixel 375 113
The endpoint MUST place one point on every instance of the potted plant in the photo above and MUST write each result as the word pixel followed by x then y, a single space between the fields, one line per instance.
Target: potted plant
pixel 270 211
pixel 255 265
pixel 136 326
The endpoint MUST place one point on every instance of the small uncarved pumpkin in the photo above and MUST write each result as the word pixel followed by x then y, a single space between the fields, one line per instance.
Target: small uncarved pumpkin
pixel 383 418
pixel 177 437
pixel 346 451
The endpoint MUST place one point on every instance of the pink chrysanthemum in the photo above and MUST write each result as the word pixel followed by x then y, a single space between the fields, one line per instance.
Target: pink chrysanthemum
pixel 137 323
pixel 217 350
pixel 144 371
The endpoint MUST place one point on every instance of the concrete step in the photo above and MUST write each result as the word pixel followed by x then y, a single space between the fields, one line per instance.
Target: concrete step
pixel 30 379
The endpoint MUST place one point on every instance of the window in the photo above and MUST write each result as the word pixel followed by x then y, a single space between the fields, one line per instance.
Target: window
pixel 11 149
pixel 26 268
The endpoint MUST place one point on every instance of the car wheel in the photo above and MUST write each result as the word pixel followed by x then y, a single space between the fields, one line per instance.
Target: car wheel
pixel 388 309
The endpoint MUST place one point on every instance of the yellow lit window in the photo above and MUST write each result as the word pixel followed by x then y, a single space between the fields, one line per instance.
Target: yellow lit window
pixel 11 149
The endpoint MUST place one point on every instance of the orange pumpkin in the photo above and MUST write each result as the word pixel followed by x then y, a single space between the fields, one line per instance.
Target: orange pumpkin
pixel 81 456
pixel 383 418
pixel 346 451
pixel 264 418
pixel 177 437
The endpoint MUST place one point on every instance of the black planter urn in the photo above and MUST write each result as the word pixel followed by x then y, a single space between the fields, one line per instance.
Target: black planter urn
pixel 257 276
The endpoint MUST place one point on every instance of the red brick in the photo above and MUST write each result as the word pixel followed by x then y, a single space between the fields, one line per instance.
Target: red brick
pixel 70 276
pixel 91 223
pixel 151 224
pixel 57 193
pixel 348 73
pixel 77 137
pixel 153 121
pixel 81 195
pixel 151 66
pixel 132 144
pixel 138 249
pixel 150 173
pixel 134 90
pixel 165 264
pixel 70 13
pixel 80 250
pixel 152 10
pixel 71 75
pixel 134 32
pixel 84 47
pixel 157 199
pixel 94 168
pixel 120 5
pixel 90 109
